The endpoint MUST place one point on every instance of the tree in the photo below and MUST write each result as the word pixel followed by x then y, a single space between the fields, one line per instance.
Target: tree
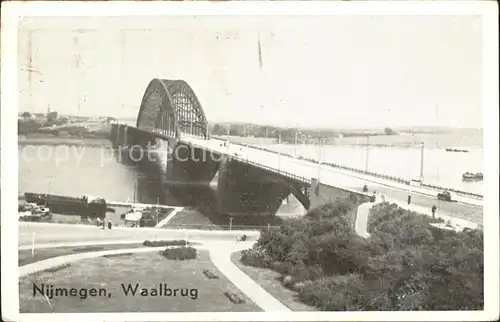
pixel 219 129
pixel 26 115
pixel 51 118
pixel 389 131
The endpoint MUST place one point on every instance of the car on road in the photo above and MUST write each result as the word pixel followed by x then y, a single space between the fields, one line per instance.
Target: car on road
pixel 445 196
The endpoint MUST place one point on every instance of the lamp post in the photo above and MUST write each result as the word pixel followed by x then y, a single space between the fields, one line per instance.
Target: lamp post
pixel 135 188
pixel 230 223
pixel 279 161
pixel 157 209
pixel 33 247
pixel 48 196
pixel 367 152
pixel 320 155
pixel 421 162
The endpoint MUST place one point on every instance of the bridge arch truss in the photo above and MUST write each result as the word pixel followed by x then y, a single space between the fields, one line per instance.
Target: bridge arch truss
pixel 171 108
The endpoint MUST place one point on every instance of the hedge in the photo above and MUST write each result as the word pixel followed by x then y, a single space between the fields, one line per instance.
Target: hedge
pixel 180 253
pixel 405 264
pixel 157 243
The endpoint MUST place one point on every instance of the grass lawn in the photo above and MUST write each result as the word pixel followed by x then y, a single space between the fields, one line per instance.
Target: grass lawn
pixel 147 269
pixel 270 281
pixel 42 254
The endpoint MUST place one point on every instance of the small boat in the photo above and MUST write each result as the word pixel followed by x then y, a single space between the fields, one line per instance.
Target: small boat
pixel 456 150
pixel 468 176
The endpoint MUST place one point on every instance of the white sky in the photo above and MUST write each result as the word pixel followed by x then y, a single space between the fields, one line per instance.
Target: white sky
pixel 331 71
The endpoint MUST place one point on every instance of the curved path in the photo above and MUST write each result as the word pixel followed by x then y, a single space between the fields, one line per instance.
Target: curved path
pixel 61 260
pixel 222 260
pixel 363 213
pixel 220 254
pixel 361 224
pixel 89 243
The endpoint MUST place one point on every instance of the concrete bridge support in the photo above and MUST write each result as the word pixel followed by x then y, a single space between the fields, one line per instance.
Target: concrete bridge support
pixel 245 189
pixel 321 194
pixel 190 166
pixel 113 135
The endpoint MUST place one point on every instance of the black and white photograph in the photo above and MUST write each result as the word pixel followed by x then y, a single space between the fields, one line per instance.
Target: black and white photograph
pixel 196 161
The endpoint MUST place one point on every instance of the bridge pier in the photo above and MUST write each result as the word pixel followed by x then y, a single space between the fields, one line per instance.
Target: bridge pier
pixel 113 135
pixel 245 189
pixel 321 194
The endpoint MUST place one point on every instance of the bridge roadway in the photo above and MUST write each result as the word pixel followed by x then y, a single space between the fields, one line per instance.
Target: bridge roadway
pixel 463 208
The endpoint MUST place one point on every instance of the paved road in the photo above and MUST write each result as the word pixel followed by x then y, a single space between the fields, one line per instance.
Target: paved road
pixel 465 208
pixel 55 233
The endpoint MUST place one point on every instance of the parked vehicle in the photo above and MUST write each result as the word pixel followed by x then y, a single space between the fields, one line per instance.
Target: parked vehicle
pixel 24 215
pixel 445 196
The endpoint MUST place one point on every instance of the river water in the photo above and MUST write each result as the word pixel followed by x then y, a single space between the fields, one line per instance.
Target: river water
pixel 440 168
pixel 94 171
pixel 78 171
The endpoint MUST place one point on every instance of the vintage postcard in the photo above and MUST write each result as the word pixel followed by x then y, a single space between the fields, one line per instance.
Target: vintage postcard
pixel 288 161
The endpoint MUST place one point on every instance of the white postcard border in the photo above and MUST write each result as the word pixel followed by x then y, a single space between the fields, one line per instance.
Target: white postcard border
pixel 9 162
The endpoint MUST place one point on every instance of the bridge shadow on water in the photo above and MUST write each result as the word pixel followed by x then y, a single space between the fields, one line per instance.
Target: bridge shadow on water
pixel 198 199
pixel 200 202
pixel 203 201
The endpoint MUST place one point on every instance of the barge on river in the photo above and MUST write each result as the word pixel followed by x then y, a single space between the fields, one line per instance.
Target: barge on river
pixel 93 207
pixel 468 176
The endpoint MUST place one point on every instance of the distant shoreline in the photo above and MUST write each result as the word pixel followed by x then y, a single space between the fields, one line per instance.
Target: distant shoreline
pixel 54 140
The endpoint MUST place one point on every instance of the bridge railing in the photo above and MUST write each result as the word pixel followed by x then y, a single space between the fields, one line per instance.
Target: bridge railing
pixel 280 171
pixel 274 170
pixel 370 173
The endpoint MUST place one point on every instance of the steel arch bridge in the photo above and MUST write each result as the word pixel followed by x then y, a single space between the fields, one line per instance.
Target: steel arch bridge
pixel 171 108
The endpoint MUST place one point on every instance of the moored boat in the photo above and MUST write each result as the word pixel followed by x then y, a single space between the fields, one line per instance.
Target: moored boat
pixel 456 150
pixel 468 176
pixel 84 206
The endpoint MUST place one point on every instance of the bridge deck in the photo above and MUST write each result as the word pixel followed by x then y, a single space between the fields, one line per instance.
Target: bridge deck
pixel 307 169
pixel 466 208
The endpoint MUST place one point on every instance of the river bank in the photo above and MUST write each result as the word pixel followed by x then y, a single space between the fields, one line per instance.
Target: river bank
pixel 39 139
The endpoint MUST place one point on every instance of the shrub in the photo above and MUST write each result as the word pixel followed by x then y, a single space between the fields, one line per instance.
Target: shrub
pixel 158 243
pixel 288 280
pixel 117 255
pixel 180 253
pixel 405 264
pixel 210 275
pixel 235 298
pixel 58 268
pixel 87 249
pixel 335 293
pixel 256 258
